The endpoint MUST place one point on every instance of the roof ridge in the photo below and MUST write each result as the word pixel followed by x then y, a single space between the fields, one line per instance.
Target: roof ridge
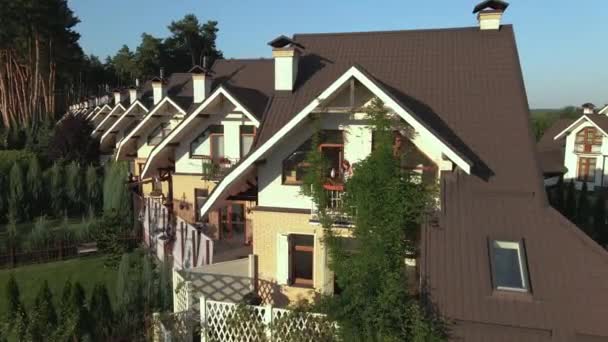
pixel 463 28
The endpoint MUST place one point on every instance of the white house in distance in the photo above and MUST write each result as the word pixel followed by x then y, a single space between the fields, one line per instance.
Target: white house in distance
pixel 586 149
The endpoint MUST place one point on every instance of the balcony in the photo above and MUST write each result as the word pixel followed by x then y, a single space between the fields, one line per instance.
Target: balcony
pixel 335 211
pixel 588 148
pixel 214 169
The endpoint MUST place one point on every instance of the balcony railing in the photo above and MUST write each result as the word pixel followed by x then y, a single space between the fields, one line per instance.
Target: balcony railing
pixel 335 210
pixel 216 169
pixel 587 148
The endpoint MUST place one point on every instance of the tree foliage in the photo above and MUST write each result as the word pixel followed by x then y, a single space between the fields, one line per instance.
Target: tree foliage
pixel 93 188
pixel 388 207
pixel 16 193
pixel 35 187
pixel 582 213
pixel 72 141
pixel 74 187
pixel 570 205
pixel 599 218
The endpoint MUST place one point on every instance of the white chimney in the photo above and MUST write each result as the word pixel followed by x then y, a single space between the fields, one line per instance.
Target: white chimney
pixel 286 55
pixel 157 89
pixel 132 95
pixel 588 108
pixel 201 83
pixel 489 14
pixel 116 97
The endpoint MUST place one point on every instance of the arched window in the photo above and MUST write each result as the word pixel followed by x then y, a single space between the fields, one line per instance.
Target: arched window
pixel 588 140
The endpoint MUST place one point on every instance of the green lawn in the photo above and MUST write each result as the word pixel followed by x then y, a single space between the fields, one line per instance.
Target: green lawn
pixel 88 271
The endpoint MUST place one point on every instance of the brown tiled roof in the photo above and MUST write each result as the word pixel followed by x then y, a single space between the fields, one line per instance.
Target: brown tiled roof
pixel 550 151
pixel 600 120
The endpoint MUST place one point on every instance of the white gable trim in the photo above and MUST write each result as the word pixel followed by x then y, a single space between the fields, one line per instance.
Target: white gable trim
pixel 352 72
pixel 576 123
pixel 191 117
pixel 103 122
pixel 604 110
pixel 135 131
pixel 124 115
pixel 92 117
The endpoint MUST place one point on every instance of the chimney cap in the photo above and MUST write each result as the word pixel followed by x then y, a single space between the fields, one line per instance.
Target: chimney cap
pixel 283 41
pixel 588 105
pixel 497 5
pixel 197 69
pixel 157 79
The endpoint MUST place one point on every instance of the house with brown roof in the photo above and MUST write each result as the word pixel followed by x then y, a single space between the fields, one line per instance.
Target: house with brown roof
pixel 499 263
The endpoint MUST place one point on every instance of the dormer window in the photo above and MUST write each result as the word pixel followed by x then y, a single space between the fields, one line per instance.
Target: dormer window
pixel 159 133
pixel 588 140
pixel 509 266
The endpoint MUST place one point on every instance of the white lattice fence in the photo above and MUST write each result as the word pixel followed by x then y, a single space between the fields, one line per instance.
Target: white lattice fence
pixel 228 322
pixel 182 293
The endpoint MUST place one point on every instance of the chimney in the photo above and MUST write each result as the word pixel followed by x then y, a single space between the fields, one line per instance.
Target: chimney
pixel 116 97
pixel 157 89
pixel 489 14
pixel 286 54
pixel 132 95
pixel 201 83
pixel 588 108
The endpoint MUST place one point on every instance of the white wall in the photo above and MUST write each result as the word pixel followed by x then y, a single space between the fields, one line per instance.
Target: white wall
pixel 232 140
pixel 169 114
pixel 271 191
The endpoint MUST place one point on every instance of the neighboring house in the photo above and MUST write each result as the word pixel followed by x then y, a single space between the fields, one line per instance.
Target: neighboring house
pixel 97 116
pixel 551 152
pixel 229 102
pixel 122 101
pixel 585 144
pixel 140 100
pixel 172 99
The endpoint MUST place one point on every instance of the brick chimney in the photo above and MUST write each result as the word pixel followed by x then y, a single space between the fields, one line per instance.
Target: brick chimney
pixel 489 14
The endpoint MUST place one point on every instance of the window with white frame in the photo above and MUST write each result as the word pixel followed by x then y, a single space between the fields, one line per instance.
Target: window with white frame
pixel 210 143
pixel 295 260
pixel 509 266
pixel 247 136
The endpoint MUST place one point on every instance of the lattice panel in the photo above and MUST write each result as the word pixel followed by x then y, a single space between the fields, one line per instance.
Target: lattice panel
pixel 225 323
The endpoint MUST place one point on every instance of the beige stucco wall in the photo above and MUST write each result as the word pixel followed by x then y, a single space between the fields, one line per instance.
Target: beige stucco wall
pixel 183 191
pixel 266 226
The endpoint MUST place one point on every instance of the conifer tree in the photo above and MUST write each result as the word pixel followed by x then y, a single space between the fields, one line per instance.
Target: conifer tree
pixel 558 202
pixel 599 218
pixel 73 186
pixel 101 313
pixel 13 300
pixel 43 318
pixel 16 193
pixel 35 187
pixel 81 314
pixel 56 189
pixel 93 188
pixel 570 206
pixel 582 211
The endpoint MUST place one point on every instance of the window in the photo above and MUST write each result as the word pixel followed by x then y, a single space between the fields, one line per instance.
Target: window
pixel 588 140
pixel 586 169
pixel 247 136
pixel 332 147
pixel 159 133
pixel 202 146
pixel 200 197
pixel 232 222
pixel 509 266
pixel 302 247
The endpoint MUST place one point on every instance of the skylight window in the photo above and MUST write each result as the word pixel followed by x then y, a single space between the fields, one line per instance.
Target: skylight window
pixel 509 266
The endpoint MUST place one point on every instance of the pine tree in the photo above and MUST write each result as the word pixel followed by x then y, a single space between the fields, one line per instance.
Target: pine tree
pixel 80 312
pixel 43 319
pixel 13 300
pixel 56 189
pixel 73 186
pixel 101 313
pixel 35 187
pixel 93 188
pixel 16 193
pixel 599 218
pixel 570 206
pixel 148 283
pixel 582 212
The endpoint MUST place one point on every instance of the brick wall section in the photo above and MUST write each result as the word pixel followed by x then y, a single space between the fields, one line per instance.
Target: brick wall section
pixel 266 227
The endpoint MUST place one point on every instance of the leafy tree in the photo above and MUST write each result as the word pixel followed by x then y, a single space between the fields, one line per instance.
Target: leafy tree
pixel 72 141
pixel 16 193
pixel 101 313
pixel 93 188
pixel 582 213
pixel 570 206
pixel 74 186
pixel 35 187
pixel 55 180
pixel 149 56
pixel 390 206
pixel 599 218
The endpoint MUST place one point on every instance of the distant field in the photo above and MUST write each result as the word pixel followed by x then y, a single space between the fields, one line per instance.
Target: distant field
pixel 88 271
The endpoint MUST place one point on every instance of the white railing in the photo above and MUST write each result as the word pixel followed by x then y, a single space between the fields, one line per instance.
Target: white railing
pixel 188 252
pixel 334 209
pixel 229 322
pixel 182 293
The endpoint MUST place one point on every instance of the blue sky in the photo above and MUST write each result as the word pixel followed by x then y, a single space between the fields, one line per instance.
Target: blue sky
pixel 561 46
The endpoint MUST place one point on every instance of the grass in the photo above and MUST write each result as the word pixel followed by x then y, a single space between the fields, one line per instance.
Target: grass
pixel 87 271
